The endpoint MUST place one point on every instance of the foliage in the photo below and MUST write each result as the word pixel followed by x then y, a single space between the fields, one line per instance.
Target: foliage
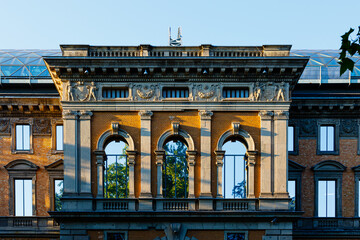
pixel 235 236
pixel 239 189
pixel 175 171
pixel 58 195
pixel 351 47
pixel 292 203
pixel 116 176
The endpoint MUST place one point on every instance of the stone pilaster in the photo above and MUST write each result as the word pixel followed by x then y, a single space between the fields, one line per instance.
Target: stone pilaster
pixel 71 164
pixel 191 163
pixel 100 155
pixel 131 163
pixel 160 156
pixel 267 157
pixel 85 152
pixel 219 170
pixel 251 156
pixel 145 117
pixel 280 153
pixel 205 155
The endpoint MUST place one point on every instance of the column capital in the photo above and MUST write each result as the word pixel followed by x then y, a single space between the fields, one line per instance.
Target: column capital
pixel 160 154
pixel 85 115
pixel 145 114
pixel 131 157
pixel 219 157
pixel 70 115
pixel 281 115
pixel 266 115
pixel 205 114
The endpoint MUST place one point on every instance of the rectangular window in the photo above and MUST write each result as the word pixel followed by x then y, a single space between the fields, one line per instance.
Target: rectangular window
pixel 291 138
pixel 327 139
pixel 326 198
pixel 171 92
pixel 292 194
pixel 235 236
pixel 59 137
pixel 58 191
pixel 235 92
pixel 115 236
pixel 115 93
pixel 22 137
pixel 23 197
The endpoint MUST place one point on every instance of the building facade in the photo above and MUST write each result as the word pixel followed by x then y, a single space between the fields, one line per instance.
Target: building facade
pixel 178 143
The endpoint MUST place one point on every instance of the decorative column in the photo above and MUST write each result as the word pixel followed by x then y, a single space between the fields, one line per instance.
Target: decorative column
pixel 205 155
pixel 251 156
pixel 267 157
pixel 219 169
pixel 85 152
pixel 145 153
pixel 281 154
pixel 71 164
pixel 191 163
pixel 131 163
pixel 100 155
pixel 160 155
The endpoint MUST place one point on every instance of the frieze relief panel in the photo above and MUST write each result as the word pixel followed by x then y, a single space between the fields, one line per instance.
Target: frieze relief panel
pixel 5 126
pixel 203 92
pixel 42 126
pixel 348 128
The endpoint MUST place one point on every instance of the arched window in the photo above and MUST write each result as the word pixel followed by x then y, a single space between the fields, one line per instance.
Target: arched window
pixel 234 176
pixel 116 171
pixel 175 170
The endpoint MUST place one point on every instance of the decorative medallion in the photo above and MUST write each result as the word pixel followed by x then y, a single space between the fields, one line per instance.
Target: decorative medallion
pixel 308 128
pixel 348 128
pixel 145 92
pixel 81 92
pixel 42 126
pixel 4 126
pixel 206 92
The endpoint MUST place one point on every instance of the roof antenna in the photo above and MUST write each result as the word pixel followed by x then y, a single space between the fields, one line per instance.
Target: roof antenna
pixel 175 42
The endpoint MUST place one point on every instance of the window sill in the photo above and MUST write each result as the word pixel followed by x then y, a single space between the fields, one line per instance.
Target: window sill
pixel 327 153
pixel 22 151
pixel 57 152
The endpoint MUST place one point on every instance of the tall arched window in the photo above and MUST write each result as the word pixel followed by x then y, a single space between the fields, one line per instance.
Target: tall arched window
pixel 234 176
pixel 116 171
pixel 175 170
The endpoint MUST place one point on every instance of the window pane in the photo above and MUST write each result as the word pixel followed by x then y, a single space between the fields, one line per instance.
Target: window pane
pixel 58 191
pixel 323 136
pixel 290 138
pixel 26 131
pixel 19 137
pixel 330 138
pixel 292 193
pixel 59 138
pixel 23 197
pixel 322 199
pixel 326 198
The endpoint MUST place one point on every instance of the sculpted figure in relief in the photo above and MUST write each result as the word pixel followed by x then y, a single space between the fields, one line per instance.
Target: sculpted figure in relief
pixel 81 92
pixel 257 92
pixel 281 92
pixel 92 90
pixel 206 92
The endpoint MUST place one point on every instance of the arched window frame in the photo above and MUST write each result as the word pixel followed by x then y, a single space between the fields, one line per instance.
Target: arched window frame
pixel 160 156
pixel 115 133
pixel 236 132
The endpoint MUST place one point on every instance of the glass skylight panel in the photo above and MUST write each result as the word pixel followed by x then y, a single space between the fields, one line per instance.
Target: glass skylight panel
pixel 26 60
pixel 8 70
pixel 38 61
pixel 13 61
pixel 44 74
pixel 36 70
pixel 334 62
pixel 4 59
pixel 321 60
pixel 22 72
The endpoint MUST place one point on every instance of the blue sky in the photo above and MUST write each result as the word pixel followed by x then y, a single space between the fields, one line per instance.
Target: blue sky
pixel 305 24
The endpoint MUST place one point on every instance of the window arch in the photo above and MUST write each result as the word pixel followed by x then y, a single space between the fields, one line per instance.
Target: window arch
pixel 175 169
pixel 116 171
pixel 234 177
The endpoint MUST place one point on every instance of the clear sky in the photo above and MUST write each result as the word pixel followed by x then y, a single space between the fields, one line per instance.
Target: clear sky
pixel 306 24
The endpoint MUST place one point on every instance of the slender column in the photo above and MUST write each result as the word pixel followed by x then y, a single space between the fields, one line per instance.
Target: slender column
pixel 100 155
pixel 251 155
pixel 280 153
pixel 219 169
pixel 131 163
pixel 160 155
pixel 205 155
pixel 145 117
pixel 85 152
pixel 71 183
pixel 191 163
pixel 266 188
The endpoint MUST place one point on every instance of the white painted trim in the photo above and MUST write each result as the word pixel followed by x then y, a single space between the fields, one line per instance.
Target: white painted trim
pixel 242 133
pixel 122 133
pixel 182 133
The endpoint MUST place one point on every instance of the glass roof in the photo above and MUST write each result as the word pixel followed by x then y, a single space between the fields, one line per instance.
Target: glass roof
pixel 321 68
pixel 25 63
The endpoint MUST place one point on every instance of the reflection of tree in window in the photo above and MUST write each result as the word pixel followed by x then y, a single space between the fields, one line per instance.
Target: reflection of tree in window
pixel 175 170
pixel 292 194
pixel 234 170
pixel 59 189
pixel 235 236
pixel 116 171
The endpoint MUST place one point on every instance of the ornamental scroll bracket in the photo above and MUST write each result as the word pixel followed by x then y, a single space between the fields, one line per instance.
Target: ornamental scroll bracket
pixel 175 127
pixel 115 126
pixel 236 128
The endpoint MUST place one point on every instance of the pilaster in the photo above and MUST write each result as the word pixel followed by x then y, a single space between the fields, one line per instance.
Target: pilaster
pixel 145 153
pixel 160 155
pixel 131 162
pixel 251 156
pixel 100 155
pixel 205 155
pixel 191 163
pixel 219 169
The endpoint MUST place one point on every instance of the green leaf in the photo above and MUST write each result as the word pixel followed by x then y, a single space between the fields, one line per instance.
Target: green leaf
pixel 346 64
